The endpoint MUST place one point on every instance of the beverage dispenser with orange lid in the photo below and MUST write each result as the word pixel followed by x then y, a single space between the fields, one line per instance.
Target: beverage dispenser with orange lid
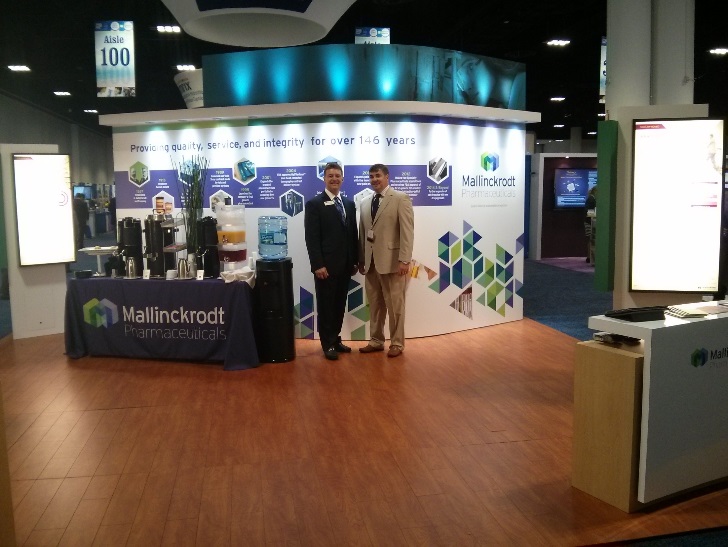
pixel 232 248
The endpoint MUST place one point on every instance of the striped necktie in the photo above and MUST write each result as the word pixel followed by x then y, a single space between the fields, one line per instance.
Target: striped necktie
pixel 340 207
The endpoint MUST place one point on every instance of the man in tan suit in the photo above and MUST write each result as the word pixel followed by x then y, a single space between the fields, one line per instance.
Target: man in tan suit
pixel 386 237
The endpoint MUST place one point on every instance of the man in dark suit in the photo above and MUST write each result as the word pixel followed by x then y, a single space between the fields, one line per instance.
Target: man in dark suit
pixel 331 241
pixel 386 238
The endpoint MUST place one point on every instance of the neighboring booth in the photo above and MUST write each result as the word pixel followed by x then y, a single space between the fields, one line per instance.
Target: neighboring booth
pixel 556 226
pixel 462 165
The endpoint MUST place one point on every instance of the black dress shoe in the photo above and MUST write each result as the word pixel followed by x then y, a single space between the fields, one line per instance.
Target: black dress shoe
pixel 341 348
pixel 331 354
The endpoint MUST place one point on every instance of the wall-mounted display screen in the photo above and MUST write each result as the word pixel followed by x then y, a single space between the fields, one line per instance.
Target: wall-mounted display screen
pixel 44 208
pixel 571 186
pixel 676 193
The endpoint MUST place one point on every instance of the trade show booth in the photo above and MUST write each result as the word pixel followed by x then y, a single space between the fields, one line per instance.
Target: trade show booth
pixel 461 162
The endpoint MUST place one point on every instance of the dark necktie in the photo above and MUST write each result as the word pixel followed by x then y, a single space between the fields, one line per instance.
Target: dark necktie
pixel 375 205
pixel 340 207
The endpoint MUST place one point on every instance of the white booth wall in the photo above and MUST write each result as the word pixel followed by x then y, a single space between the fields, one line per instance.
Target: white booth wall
pixel 468 251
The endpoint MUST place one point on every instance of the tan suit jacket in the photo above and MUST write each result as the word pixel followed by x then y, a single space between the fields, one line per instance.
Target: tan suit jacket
pixel 393 228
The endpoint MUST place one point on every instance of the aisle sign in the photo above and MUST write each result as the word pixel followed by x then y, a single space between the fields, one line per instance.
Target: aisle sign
pixel 371 35
pixel 115 72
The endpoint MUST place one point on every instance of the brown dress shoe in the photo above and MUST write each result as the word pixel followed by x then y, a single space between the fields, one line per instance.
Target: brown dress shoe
pixel 371 349
pixel 394 351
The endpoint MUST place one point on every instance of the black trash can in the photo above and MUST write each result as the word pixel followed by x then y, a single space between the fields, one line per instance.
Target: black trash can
pixel 273 301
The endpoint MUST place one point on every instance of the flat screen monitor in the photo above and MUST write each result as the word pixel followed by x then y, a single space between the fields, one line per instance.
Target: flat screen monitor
pixel 676 205
pixel 44 208
pixel 571 187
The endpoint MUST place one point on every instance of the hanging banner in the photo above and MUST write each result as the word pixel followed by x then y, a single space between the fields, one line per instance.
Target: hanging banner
pixel 371 35
pixel 115 72
pixel 189 84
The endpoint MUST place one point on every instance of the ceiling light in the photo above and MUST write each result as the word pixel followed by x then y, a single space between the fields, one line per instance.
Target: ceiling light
pixel 19 68
pixel 559 125
pixel 719 51
pixel 62 93
pixel 558 43
pixel 183 68
pixel 559 140
pixel 91 111
pixel 601 114
pixel 558 99
pixel 173 29
pixel 592 133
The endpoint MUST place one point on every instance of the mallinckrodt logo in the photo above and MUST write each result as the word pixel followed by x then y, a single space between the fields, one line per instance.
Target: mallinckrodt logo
pixel 489 161
pixel 100 313
pixel 699 357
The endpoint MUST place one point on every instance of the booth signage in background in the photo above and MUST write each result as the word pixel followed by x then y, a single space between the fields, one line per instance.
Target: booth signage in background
pixel 189 84
pixel 603 71
pixel 676 205
pixel 43 201
pixel 371 35
pixel 465 179
pixel 115 71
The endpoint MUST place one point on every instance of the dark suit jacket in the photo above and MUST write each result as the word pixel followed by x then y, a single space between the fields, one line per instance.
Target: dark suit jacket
pixel 329 242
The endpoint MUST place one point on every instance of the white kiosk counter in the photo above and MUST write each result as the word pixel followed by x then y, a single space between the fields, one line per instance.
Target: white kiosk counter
pixel 684 416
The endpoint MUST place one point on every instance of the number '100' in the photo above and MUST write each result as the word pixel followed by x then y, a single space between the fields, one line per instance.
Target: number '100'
pixel 115 56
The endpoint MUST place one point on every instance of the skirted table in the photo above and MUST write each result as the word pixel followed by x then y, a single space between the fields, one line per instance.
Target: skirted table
pixel 190 320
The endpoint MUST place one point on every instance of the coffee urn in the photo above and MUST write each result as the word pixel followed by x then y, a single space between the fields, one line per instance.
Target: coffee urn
pixel 129 236
pixel 154 248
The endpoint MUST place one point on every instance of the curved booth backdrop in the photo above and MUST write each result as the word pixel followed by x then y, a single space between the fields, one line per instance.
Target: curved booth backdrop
pixel 462 166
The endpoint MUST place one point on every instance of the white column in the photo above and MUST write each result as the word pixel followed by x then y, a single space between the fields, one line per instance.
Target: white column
pixel 648 74
pixel 673 44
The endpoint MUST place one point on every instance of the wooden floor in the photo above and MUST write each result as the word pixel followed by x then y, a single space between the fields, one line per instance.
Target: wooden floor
pixel 463 440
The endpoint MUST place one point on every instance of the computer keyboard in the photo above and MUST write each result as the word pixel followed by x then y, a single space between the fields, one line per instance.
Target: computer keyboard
pixel 646 313
pixel 685 312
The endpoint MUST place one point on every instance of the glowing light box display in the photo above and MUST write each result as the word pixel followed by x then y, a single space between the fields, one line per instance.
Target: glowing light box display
pixel 676 205
pixel 571 187
pixel 44 208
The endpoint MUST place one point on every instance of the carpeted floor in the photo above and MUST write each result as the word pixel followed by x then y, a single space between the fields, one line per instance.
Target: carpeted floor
pixel 711 537
pixel 574 263
pixel 563 298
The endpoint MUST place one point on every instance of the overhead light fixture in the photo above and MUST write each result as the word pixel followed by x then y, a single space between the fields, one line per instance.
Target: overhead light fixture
pixel 719 51
pixel 91 111
pixel 558 125
pixel 559 140
pixel 602 114
pixel 183 68
pixel 168 29
pixel 558 99
pixel 62 93
pixel 592 133
pixel 558 43
pixel 18 68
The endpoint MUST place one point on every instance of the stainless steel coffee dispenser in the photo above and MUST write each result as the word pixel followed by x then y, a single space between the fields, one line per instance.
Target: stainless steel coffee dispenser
pixel 129 237
pixel 156 238
pixel 207 256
